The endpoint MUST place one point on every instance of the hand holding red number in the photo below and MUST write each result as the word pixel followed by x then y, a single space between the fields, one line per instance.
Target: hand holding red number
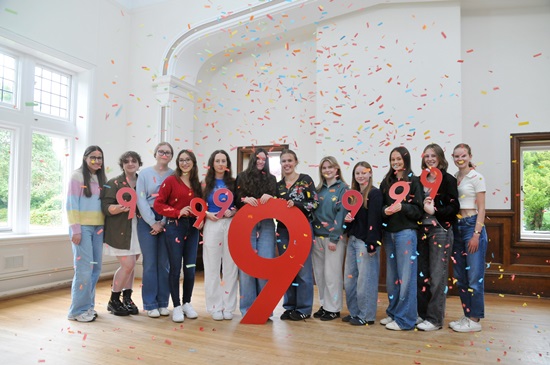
pixel 200 214
pixel 223 204
pixel 279 271
pixel 355 205
pixel 402 195
pixel 432 185
pixel 127 203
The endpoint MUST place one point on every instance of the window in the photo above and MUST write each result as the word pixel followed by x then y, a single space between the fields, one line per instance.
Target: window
pixel 531 154
pixel 36 137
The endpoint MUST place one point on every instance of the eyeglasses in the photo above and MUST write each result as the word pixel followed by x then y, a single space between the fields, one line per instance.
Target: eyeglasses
pixel 164 153
pixel 185 160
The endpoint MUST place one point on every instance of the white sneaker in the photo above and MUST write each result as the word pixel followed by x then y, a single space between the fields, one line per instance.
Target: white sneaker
pixel 164 311
pixel 217 316
pixel 393 326
pixel 177 314
pixel 427 326
pixel 189 311
pixel 227 315
pixel 153 313
pixel 454 323
pixel 386 320
pixel 83 317
pixel 419 320
pixel 467 326
pixel 93 312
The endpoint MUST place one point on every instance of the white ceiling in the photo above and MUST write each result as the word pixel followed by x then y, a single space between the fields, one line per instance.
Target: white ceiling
pixel 134 4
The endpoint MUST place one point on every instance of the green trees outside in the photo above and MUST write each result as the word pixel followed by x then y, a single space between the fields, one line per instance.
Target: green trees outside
pixel 536 188
pixel 5 145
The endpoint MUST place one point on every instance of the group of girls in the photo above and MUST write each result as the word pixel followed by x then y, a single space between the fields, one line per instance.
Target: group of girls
pixel 420 230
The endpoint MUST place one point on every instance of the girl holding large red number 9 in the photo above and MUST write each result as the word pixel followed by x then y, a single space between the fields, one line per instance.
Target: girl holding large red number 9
pixel 220 292
pixel 330 245
pixel 299 191
pixel 401 211
pixel 121 239
pixel 362 266
pixel 182 238
pixel 255 186
pixel 435 240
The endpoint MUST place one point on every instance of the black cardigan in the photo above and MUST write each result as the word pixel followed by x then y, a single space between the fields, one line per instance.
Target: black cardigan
pixel 446 201
pixel 367 225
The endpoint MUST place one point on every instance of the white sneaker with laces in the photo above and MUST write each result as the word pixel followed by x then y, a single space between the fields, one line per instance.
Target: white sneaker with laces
pixel 227 315
pixel 217 316
pixel 177 314
pixel 93 312
pixel 427 326
pixel 393 326
pixel 419 320
pixel 386 320
pixel 153 313
pixel 454 323
pixel 83 317
pixel 164 311
pixel 467 326
pixel 189 311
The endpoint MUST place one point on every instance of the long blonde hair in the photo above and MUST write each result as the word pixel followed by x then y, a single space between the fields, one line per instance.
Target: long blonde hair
pixel 355 185
pixel 333 162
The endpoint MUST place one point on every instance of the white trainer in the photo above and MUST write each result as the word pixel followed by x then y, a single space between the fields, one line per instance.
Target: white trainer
pixel 386 320
pixel 164 311
pixel 393 326
pixel 217 316
pixel 189 311
pixel 153 313
pixel 467 326
pixel 227 315
pixel 427 326
pixel 177 314
pixel 454 323
pixel 83 317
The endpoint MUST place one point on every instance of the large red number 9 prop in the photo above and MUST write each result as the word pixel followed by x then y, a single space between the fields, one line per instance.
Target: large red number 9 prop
pixel 200 214
pixel 432 185
pixel 127 203
pixel 280 271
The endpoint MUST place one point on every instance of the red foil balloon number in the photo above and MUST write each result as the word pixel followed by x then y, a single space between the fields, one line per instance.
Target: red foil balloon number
pixel 200 214
pixel 356 201
pixel 127 203
pixel 223 204
pixel 280 271
pixel 399 197
pixel 432 185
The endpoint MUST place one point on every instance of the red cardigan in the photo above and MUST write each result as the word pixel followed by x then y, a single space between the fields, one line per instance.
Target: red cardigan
pixel 173 196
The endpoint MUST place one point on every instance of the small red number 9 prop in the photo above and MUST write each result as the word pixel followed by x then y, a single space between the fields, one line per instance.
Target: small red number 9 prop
pixel 225 204
pixel 403 194
pixel 127 203
pixel 200 214
pixel 432 185
pixel 356 202
pixel 280 271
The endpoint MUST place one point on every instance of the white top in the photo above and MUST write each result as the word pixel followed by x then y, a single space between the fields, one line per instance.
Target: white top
pixel 470 185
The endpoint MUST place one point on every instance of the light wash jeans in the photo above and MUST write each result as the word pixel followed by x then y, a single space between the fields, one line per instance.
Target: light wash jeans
pixel 182 243
pixel 262 239
pixel 469 268
pixel 401 273
pixel 361 280
pixel 220 292
pixel 434 251
pixel 87 266
pixel 155 290
pixel 299 295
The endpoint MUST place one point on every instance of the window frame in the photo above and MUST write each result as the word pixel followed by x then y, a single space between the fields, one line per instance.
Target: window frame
pixel 518 143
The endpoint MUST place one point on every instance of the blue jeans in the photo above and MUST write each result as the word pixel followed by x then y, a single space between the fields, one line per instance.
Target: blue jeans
pixel 469 268
pixel 155 290
pixel 361 280
pixel 182 242
pixel 262 239
pixel 434 251
pixel 87 266
pixel 299 295
pixel 401 266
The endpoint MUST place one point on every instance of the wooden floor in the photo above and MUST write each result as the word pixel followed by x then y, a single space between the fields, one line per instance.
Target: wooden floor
pixel 34 330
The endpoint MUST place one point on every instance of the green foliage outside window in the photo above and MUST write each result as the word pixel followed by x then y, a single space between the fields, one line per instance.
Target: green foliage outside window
pixel 536 188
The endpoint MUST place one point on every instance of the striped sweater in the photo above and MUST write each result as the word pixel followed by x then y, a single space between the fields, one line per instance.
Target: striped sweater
pixel 81 210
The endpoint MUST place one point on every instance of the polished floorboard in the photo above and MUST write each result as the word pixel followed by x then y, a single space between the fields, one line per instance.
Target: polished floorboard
pixel 34 330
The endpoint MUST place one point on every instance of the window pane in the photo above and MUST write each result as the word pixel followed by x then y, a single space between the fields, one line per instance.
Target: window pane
pixel 50 87
pixel 48 169
pixel 6 139
pixel 536 192
pixel 8 80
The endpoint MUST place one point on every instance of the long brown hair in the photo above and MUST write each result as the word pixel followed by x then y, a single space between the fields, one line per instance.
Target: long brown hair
pixel 391 177
pixel 101 177
pixel 193 174
pixel 210 179
pixel 443 164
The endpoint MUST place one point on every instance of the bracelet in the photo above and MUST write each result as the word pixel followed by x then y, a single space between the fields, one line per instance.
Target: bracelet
pixel 477 232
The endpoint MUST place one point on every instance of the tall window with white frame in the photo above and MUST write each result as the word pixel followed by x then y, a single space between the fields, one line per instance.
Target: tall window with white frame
pixel 43 118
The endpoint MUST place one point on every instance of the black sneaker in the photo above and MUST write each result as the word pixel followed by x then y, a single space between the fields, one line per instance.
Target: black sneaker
pixel 329 316
pixel 286 315
pixel 117 308
pixel 356 321
pixel 298 316
pixel 347 318
pixel 130 305
pixel 319 313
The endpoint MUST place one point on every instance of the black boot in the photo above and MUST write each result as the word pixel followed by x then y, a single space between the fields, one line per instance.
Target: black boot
pixel 115 306
pixel 128 302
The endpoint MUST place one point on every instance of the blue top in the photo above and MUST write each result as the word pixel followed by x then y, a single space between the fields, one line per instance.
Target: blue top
pixel 212 207
pixel 147 188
